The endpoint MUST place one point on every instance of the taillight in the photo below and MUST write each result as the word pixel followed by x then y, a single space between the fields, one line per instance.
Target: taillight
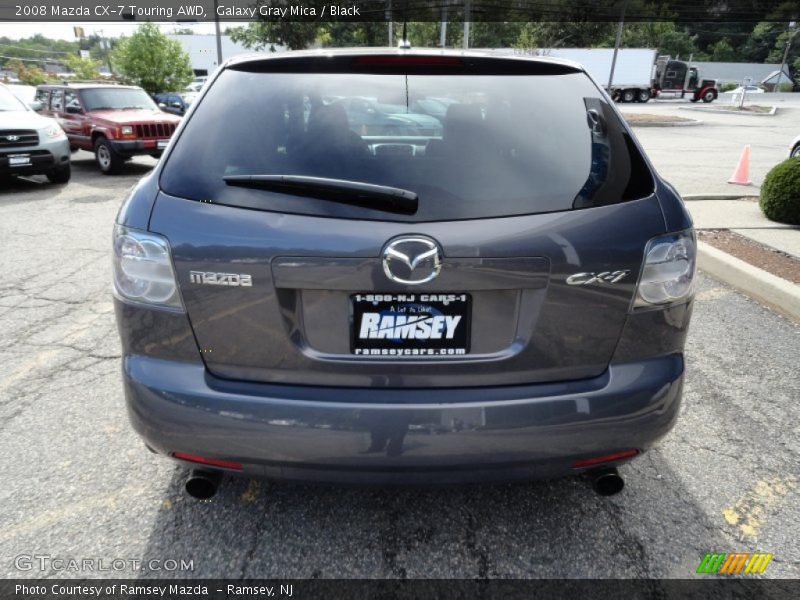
pixel 668 272
pixel 143 269
pixel 606 458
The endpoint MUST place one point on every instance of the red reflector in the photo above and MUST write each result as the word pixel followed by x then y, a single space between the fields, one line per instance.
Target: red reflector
pixel 606 458
pixel 214 462
pixel 412 61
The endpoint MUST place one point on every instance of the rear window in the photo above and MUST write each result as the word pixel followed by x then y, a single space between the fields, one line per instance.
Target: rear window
pixel 470 146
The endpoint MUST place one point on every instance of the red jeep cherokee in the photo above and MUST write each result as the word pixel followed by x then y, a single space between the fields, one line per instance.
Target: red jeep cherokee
pixel 113 121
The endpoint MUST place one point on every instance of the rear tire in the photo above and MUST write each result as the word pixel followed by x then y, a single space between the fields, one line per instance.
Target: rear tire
pixel 709 96
pixel 60 174
pixel 643 96
pixel 109 161
pixel 628 96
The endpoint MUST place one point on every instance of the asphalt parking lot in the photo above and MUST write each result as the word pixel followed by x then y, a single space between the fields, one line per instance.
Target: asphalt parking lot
pixel 78 482
pixel 700 159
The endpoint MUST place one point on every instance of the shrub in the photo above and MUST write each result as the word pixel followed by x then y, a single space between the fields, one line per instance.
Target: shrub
pixel 780 194
pixel 727 87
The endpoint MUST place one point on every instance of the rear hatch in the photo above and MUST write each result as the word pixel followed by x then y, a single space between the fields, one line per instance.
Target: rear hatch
pixel 313 247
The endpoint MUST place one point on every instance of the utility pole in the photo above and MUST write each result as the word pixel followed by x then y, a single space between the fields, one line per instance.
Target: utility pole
pixel 106 49
pixel 391 25
pixel 466 24
pixel 443 27
pixel 219 37
pixel 616 45
pixel 785 56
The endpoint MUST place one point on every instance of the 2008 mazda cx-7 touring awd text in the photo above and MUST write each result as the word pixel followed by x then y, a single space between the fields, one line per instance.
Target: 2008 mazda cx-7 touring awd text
pixel 499 291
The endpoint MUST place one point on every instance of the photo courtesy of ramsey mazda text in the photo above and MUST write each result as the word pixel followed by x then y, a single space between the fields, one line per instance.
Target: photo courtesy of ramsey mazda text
pixel 403 266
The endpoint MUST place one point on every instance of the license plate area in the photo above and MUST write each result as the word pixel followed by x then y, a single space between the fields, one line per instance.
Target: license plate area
pixel 429 325
pixel 161 144
pixel 19 160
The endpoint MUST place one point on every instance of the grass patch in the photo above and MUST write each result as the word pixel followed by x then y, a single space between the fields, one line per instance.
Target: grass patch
pixel 746 109
pixel 653 119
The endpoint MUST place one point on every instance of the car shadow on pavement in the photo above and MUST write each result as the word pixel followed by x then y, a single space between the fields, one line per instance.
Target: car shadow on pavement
pixel 86 165
pixel 559 528
pixel 24 185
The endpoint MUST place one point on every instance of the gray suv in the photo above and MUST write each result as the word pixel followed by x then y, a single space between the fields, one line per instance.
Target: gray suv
pixel 504 297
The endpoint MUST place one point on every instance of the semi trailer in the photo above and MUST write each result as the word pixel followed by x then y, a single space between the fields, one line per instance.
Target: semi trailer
pixel 639 73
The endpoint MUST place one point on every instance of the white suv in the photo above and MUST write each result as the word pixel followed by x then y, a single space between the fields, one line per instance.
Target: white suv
pixel 31 144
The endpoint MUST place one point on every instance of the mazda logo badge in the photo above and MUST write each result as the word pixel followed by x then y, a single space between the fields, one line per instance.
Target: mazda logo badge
pixel 412 260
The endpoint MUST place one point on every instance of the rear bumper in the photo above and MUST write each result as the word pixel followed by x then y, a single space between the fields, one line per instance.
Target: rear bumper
pixel 381 436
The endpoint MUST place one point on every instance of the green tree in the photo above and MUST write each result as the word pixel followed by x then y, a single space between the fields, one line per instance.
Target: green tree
pixel 722 51
pixel 664 36
pixel 152 60
pixel 490 34
pixel 768 44
pixel 266 35
pixel 345 33
pixel 84 68
pixel 788 36
pixel 762 40
pixel 37 47
pixel 26 73
pixel 566 34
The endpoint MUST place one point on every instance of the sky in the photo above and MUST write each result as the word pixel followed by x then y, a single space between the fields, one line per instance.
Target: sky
pixel 63 31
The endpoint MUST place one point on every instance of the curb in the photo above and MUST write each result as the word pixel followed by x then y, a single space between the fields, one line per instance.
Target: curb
pixel 740 196
pixel 771 113
pixel 666 124
pixel 769 289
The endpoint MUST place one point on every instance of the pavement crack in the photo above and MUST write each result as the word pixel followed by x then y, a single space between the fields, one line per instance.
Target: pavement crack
pixel 250 554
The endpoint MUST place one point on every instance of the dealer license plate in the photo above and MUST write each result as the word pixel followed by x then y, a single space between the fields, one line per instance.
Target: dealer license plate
pixel 410 325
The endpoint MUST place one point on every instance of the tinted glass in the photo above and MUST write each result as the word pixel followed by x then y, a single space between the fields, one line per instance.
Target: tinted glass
pixel 470 146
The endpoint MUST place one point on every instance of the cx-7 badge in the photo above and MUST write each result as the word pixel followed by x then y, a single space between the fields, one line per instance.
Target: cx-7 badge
pixel 604 277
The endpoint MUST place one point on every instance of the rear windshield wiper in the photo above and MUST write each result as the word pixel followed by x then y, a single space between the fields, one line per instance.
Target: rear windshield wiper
pixel 356 193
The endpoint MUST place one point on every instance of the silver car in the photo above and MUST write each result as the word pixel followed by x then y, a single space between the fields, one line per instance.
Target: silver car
pixel 31 144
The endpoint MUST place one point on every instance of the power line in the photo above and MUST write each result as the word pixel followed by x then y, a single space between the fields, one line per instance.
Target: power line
pixel 35 50
pixel 36 60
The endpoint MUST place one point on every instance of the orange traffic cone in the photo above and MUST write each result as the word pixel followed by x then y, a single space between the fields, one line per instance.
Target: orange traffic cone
pixel 741 174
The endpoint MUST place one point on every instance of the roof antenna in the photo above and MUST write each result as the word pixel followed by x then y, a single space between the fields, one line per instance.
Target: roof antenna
pixel 404 44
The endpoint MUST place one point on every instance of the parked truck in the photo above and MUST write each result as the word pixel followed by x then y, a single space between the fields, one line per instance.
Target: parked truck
pixel 639 73
pixel 681 79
